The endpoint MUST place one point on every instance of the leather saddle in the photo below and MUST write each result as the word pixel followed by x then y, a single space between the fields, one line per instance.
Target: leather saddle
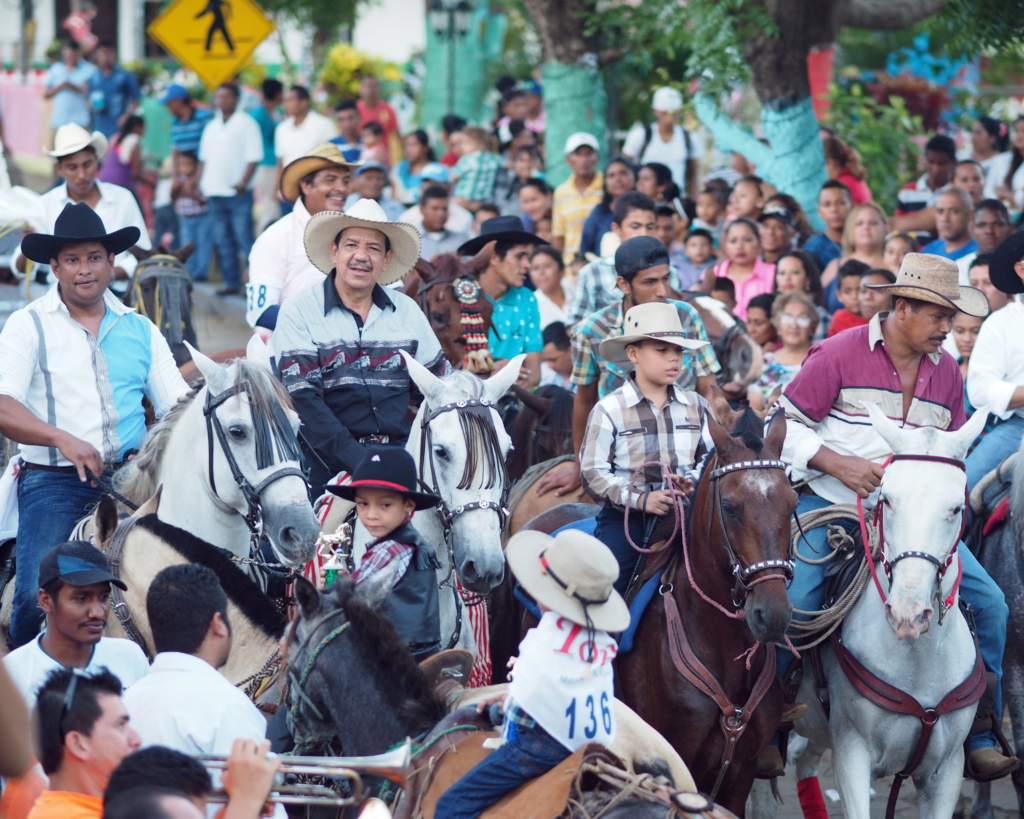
pixel 448 672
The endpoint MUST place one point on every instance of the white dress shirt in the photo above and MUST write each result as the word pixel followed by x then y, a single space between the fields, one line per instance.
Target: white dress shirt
pixel 278 264
pixel 226 150
pixel 117 208
pixel 292 141
pixel 997 362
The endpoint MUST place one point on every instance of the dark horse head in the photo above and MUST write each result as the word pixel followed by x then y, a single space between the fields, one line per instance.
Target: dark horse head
pixel 741 519
pixel 542 429
pixel 351 675
pixel 161 290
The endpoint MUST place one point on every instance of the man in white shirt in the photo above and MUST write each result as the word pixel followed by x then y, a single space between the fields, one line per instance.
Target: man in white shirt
pixel 666 142
pixel 436 238
pixel 995 379
pixel 78 155
pixel 184 703
pixel 300 132
pixel 229 151
pixel 74 591
pixel 278 264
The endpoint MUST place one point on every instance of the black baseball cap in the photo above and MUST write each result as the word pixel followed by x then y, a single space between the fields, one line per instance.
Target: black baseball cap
pixel 780 212
pixel 77 563
pixel 639 253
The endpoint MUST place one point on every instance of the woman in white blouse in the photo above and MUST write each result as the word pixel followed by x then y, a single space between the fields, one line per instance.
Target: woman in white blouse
pixel 554 291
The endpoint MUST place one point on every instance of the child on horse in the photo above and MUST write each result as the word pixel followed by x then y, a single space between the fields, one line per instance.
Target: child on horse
pixel 648 424
pixel 561 695
pixel 383 490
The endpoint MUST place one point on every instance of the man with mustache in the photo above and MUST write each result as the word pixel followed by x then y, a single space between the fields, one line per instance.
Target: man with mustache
pixel 278 265
pixel 74 591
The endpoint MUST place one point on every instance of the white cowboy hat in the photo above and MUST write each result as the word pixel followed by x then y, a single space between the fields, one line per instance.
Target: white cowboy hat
pixel 936 279
pixel 365 213
pixel 72 138
pixel 572 574
pixel 657 321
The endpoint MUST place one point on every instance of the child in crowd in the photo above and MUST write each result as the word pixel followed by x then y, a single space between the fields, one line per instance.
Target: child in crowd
pixel 759 322
pixel 747 199
pixel 383 488
pixel 711 205
pixel 872 301
pixel 542 229
pixel 563 675
pixel 556 357
pixel 848 293
pixel 654 343
pixel 374 146
pixel 194 222
pixel 725 291
pixel 897 245
pixel 689 266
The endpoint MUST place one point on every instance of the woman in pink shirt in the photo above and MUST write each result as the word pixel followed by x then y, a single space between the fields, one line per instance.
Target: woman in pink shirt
pixel 843 163
pixel 743 266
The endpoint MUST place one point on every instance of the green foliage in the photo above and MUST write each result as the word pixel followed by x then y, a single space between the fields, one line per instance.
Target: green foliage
pixel 968 27
pixel 717 31
pixel 882 134
pixel 324 17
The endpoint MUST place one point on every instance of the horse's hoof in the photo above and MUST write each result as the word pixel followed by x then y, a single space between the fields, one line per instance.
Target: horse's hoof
pixel 769 763
pixel 988 764
pixel 794 712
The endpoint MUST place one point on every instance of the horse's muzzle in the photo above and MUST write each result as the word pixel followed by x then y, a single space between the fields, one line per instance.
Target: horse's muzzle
pixel 907 623
pixel 768 615
pixel 293 531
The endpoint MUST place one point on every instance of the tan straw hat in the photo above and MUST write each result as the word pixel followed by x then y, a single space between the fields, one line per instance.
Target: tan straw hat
pixel 657 321
pixel 573 574
pixel 936 279
pixel 326 155
pixel 72 138
pixel 365 213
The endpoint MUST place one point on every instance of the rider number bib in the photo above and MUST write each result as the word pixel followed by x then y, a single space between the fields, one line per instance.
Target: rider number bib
pixel 568 697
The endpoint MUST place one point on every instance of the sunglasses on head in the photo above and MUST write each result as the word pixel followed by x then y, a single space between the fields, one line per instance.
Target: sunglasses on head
pixel 69 694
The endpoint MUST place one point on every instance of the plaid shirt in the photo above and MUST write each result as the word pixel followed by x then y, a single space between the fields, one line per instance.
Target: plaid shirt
pixel 476 175
pixel 379 556
pixel 570 209
pixel 588 365
pixel 626 430
pixel 595 289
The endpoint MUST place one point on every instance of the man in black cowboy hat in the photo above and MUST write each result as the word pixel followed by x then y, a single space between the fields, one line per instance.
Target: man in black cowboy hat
pixel 74 367
pixel 383 488
pixel 516 318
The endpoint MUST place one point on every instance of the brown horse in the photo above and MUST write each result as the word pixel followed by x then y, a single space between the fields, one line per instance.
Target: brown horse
pixel 542 429
pixel 739 551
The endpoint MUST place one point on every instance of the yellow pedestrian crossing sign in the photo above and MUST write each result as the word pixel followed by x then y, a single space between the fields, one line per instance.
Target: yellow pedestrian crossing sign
pixel 214 38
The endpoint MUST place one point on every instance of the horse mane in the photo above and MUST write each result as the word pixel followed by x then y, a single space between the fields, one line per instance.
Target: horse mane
pixel 483 449
pixel 749 428
pixel 559 416
pixel 239 588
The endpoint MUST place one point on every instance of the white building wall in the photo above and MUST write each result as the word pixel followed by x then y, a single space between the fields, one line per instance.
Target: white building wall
pixel 392 29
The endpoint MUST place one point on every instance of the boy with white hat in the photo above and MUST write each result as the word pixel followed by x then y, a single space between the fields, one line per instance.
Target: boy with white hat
pixel 561 695
pixel 648 423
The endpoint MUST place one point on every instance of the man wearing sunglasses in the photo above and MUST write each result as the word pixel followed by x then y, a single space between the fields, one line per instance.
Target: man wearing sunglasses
pixel 74 593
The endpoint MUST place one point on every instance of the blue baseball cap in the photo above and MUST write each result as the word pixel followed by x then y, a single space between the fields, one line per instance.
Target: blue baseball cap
pixel 77 563
pixel 372 165
pixel 174 92
pixel 436 172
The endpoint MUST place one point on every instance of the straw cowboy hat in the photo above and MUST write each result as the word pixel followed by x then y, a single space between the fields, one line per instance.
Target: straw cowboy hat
pixel 1002 272
pixel 656 321
pixel 572 574
pixel 72 138
pixel 327 155
pixel 76 223
pixel 365 213
pixel 935 279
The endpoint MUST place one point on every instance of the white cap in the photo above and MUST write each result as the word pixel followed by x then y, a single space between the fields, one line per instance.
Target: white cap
pixel 579 139
pixel 667 99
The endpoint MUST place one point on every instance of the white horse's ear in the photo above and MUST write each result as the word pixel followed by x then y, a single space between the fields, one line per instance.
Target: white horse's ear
pixel 216 376
pixel 498 384
pixel 969 432
pixel 884 427
pixel 429 384
pixel 256 352
pixel 376 590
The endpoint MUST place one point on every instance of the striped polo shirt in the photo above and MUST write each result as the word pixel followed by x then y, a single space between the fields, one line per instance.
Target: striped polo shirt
pixel 185 136
pixel 825 402
pixel 917 196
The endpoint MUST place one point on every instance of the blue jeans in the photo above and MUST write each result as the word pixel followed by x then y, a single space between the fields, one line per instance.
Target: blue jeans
pixel 612 533
pixel 232 233
pixel 976 588
pixel 993 448
pixel 529 754
pixel 165 220
pixel 49 506
pixel 198 229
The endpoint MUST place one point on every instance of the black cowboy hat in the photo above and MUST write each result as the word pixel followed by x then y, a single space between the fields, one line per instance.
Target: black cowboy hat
pixel 76 223
pixel 390 468
pixel 500 229
pixel 1000 271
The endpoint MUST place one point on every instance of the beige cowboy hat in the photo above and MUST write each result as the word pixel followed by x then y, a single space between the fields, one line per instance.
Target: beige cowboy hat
pixel 327 155
pixel 365 213
pixel 572 574
pixel 72 138
pixel 935 279
pixel 657 321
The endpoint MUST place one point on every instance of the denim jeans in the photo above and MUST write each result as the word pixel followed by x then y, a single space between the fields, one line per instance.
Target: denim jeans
pixel 612 533
pixel 165 220
pixel 531 753
pixel 232 233
pixel 49 506
pixel 993 448
pixel 976 588
pixel 198 229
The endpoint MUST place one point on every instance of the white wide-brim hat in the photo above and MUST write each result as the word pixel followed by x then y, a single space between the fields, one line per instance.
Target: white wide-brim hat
pixel 365 213
pixel 936 279
pixel 657 321
pixel 572 574
pixel 72 138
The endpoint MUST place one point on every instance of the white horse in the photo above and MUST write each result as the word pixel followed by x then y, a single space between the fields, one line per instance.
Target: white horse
pixel 463 460
pixel 922 509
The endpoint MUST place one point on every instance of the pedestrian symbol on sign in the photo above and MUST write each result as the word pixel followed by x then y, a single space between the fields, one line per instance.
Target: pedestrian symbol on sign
pixel 216 8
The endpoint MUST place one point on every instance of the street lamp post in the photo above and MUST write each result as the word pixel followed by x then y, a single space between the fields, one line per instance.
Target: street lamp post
pixel 451 20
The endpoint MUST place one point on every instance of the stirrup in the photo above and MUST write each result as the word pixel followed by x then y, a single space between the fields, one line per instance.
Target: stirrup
pixel 982 723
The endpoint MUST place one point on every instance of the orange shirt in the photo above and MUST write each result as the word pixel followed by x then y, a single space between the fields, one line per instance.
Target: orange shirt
pixel 67 805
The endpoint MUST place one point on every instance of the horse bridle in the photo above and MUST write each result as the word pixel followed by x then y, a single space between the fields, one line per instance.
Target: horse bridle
pixel 254 514
pixel 297 684
pixel 741 573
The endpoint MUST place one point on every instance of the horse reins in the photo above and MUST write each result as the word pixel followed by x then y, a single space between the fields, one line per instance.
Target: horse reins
pixel 296 684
